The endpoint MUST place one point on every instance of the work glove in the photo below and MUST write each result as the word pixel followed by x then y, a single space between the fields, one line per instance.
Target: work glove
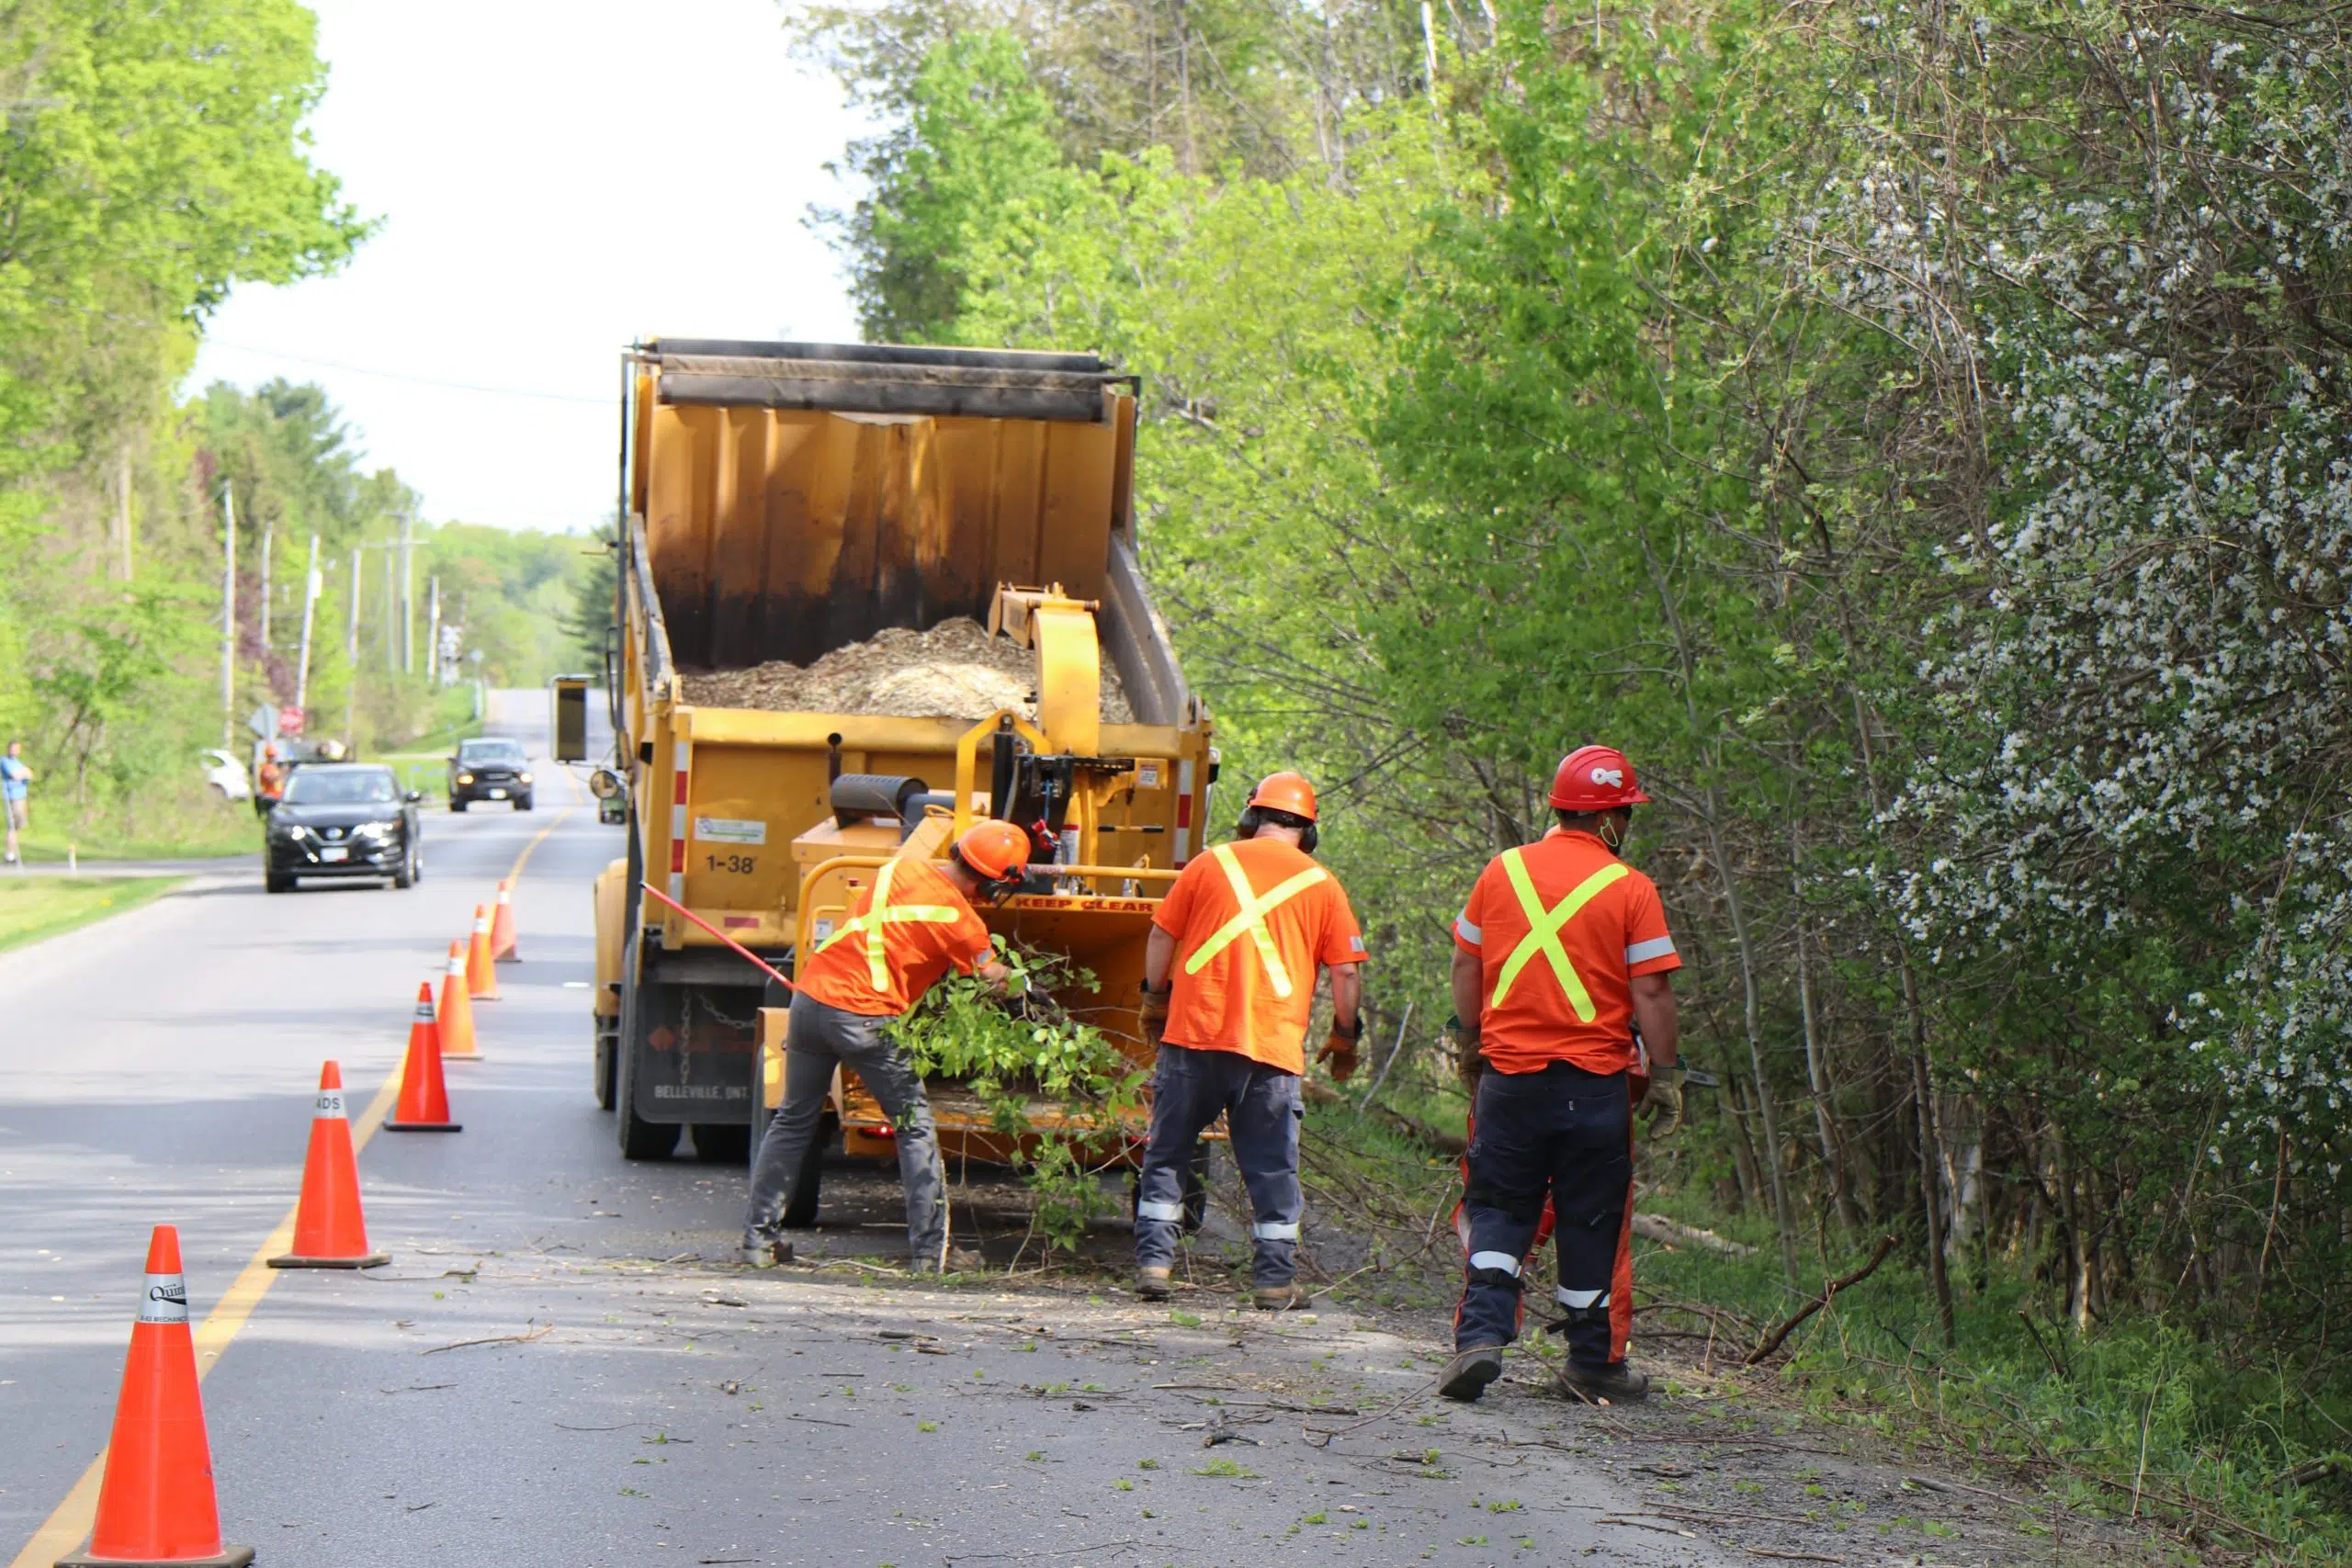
pixel 1152 1015
pixel 1664 1101
pixel 1338 1052
pixel 1467 1061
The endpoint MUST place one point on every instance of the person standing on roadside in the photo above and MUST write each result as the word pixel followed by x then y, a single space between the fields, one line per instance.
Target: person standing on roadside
pixel 1229 987
pixel 16 785
pixel 1560 957
pixel 902 935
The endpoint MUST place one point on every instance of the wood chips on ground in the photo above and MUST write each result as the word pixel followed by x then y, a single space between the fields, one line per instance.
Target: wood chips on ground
pixel 953 670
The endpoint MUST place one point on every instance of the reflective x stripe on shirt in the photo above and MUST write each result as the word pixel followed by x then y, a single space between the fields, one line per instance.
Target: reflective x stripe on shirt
pixel 1544 930
pixel 878 915
pixel 1252 918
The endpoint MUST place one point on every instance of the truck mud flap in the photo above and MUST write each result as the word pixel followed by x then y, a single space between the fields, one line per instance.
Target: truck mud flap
pixel 696 1051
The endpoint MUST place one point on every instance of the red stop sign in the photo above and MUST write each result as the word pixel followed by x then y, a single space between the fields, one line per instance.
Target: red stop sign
pixel 290 721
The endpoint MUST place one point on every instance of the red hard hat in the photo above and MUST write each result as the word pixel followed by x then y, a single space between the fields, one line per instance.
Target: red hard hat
pixel 1595 778
pixel 1286 791
pixel 997 851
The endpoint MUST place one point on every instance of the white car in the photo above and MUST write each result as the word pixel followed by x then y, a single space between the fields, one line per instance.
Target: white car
pixel 225 773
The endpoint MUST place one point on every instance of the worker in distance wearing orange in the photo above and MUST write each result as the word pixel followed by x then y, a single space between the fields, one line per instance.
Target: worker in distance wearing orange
pixel 1561 953
pixel 1228 988
pixel 902 935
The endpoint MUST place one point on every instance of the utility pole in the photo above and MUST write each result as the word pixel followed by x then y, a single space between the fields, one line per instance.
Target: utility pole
pixel 310 605
pixel 123 509
pixel 351 662
pixel 407 592
pixel 432 637
pixel 229 617
pixel 268 530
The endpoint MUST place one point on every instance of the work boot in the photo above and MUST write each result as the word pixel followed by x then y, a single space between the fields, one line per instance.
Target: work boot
pixel 1615 1383
pixel 765 1252
pixel 1151 1283
pixel 1280 1298
pixel 1471 1369
pixel 959 1260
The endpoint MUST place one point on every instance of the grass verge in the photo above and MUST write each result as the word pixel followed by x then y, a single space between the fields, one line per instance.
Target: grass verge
pixel 194 826
pixel 32 907
pixel 2137 1420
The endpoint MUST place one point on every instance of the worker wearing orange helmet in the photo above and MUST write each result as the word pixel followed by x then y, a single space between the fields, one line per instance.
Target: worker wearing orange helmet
pixel 1228 988
pixel 901 936
pixel 1560 955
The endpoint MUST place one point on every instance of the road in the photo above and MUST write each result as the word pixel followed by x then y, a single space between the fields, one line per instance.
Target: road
pixel 562 1364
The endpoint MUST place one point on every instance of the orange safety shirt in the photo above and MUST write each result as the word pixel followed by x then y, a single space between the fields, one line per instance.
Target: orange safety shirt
pixel 899 938
pixel 1559 929
pixel 1251 920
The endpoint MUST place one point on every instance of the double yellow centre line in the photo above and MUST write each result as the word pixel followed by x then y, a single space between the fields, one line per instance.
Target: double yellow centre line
pixel 66 1526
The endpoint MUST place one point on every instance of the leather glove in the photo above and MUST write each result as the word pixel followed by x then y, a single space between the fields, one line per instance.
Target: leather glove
pixel 1663 1102
pixel 1151 1017
pixel 1338 1052
pixel 1467 1060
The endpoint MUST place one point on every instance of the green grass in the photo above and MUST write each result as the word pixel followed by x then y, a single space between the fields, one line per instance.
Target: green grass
pixel 32 907
pixel 194 826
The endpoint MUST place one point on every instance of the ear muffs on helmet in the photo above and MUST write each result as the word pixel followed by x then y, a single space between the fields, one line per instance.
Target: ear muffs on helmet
pixel 1254 817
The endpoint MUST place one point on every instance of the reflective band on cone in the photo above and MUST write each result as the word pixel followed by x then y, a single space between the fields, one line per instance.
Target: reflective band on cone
pixel 457 1010
pixel 155 1503
pixel 329 1232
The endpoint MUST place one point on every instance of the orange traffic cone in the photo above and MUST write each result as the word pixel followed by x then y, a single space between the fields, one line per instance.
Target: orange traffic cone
pixel 329 1230
pixel 156 1505
pixel 425 1097
pixel 501 926
pixel 481 975
pixel 457 1010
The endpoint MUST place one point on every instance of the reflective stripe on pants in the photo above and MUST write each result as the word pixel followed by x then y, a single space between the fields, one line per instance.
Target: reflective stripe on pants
pixel 1262 1109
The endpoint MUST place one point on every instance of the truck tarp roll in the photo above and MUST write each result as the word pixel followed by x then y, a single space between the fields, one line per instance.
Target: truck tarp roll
pixel 972 390
pixel 856 797
pixel 663 349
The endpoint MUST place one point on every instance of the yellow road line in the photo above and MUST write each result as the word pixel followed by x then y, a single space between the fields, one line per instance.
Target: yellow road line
pixel 69 1523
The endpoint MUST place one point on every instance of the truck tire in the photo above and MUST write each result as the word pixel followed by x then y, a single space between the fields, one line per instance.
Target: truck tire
pixel 722 1143
pixel 456 802
pixel 800 1209
pixel 273 882
pixel 522 802
pixel 638 1138
pixel 604 1072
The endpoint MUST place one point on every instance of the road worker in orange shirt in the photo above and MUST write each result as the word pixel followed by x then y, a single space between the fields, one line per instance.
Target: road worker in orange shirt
pixel 1560 953
pixel 902 935
pixel 1229 987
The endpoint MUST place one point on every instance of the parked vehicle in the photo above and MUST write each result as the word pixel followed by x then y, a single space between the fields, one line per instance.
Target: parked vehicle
pixel 226 774
pixel 491 768
pixel 343 820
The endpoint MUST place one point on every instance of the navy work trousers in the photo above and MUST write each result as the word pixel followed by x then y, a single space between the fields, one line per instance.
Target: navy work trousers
pixel 1565 1134
pixel 1261 1111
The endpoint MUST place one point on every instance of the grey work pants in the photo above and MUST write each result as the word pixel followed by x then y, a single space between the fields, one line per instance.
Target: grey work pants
pixel 1262 1109
pixel 820 1039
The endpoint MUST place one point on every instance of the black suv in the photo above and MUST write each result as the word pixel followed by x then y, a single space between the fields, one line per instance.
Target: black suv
pixel 490 768
pixel 343 820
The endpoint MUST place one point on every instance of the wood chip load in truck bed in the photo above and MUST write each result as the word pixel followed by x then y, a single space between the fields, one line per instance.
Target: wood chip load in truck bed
pixel 953 670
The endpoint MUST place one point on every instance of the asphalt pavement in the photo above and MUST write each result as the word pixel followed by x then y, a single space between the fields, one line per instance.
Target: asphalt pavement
pixel 563 1365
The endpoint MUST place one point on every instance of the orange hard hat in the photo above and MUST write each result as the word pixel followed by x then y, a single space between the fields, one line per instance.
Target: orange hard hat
pixel 1595 778
pixel 997 851
pixel 1285 791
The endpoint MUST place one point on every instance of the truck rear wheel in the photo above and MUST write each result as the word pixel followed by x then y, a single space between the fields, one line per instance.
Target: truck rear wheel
pixel 638 1138
pixel 722 1143
pixel 605 1074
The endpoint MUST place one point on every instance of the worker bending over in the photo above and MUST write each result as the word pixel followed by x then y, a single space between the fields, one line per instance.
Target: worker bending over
pixel 1228 985
pixel 901 935
pixel 1560 954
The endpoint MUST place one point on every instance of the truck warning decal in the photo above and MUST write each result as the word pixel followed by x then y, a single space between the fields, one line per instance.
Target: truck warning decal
pixel 730 830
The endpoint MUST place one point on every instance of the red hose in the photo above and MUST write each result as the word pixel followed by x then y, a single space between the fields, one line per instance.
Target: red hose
pixel 722 936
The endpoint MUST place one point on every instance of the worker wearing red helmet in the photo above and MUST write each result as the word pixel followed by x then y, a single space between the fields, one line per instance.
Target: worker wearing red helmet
pixel 901 936
pixel 1228 988
pixel 1560 955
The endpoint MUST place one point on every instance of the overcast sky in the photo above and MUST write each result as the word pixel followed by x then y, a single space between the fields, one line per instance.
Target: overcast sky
pixel 554 178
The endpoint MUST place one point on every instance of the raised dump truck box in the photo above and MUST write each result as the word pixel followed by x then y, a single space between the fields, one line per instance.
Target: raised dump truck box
pixel 786 502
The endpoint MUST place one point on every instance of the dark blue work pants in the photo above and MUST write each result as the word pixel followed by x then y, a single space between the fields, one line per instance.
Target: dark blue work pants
pixel 1261 1111
pixel 1565 1134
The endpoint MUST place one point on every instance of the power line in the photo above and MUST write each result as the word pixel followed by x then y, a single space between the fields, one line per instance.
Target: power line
pixel 412 381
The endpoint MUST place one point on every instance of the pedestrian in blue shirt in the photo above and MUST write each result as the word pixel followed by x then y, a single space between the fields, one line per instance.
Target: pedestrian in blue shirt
pixel 14 781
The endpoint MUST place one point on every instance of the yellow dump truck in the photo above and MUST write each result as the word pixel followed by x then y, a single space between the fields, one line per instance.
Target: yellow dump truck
pixel 785 503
